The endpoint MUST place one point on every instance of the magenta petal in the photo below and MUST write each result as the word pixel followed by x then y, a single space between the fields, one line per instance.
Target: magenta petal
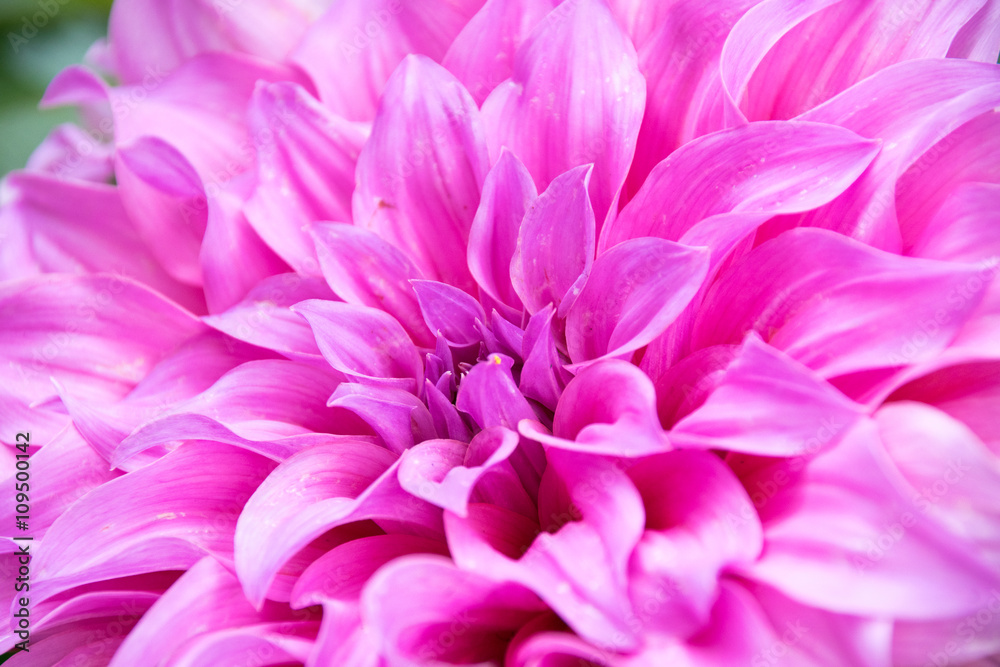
pixel 363 269
pixel 415 626
pixel 635 290
pixel 841 307
pixel 306 158
pixel 398 417
pixel 438 472
pixel 555 245
pixel 879 555
pixel 482 55
pixel 420 174
pixel 363 342
pixel 699 520
pixel 769 405
pixel 508 191
pixel 609 408
pixel 165 516
pixel 542 376
pixel 580 59
pixel 449 312
pixel 318 489
pixel 768 169
pixel 352 49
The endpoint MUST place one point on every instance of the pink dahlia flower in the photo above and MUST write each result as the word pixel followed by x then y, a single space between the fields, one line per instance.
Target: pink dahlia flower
pixel 520 333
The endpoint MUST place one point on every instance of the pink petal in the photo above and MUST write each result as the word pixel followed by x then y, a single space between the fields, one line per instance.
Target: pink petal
pixel 878 554
pixel 439 595
pixel 579 59
pixel 354 47
pixel 363 269
pixel 363 342
pixel 398 417
pixel 841 307
pixel 482 54
pixel 634 292
pixel 785 57
pixel 62 226
pixel 768 169
pixel 420 174
pixel 449 312
pixel 977 40
pixel 206 599
pixel 314 491
pixel 264 318
pixel 306 158
pixel 555 245
pixel 542 375
pixel 769 405
pixel 69 152
pixel 165 516
pixel 149 38
pixel 609 408
pixel 508 191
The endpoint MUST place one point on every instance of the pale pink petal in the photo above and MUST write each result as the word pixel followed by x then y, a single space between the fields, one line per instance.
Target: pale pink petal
pixel 580 61
pixel 306 158
pixel 70 152
pixel 978 38
pixel 354 47
pixel 162 517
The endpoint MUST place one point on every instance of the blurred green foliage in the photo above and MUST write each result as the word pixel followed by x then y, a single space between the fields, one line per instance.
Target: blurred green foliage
pixel 38 38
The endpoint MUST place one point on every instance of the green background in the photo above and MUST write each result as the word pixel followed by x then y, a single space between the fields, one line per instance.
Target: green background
pixel 24 74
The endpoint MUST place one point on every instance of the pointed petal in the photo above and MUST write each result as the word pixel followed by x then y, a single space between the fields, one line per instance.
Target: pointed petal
pixel 306 158
pixel 363 269
pixel 507 194
pixel 543 377
pixel 482 54
pixel 580 60
pixel 420 174
pixel 555 245
pixel 363 342
pixel 449 312
pixel 634 292
pixel 354 47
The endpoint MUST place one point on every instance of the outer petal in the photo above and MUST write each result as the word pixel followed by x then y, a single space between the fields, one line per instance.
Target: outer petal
pixel 420 174
pixel 769 405
pixel 318 489
pixel 634 292
pixel 363 269
pixel 63 226
pixel 581 61
pixel 555 245
pixel 163 517
pixel 868 316
pixel 507 194
pixel 306 158
pixel 878 554
pixel 149 38
pixel 354 47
